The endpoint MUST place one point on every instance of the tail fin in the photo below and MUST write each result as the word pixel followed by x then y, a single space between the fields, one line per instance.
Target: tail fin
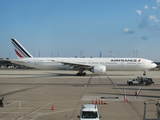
pixel 21 52
pixel 100 55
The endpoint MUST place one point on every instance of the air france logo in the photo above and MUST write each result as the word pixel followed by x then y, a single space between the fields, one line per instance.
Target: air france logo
pixel 125 60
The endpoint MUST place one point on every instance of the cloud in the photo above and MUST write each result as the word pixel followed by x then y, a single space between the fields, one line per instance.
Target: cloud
pixel 128 31
pixel 146 6
pixel 139 12
pixel 153 17
pixel 158 2
pixel 144 22
pixel 144 38
pixel 154 7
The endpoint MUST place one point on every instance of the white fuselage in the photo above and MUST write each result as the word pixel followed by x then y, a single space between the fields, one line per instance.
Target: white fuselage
pixel 110 63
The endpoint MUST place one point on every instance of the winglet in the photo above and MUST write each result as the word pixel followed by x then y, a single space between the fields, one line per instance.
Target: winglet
pixel 21 52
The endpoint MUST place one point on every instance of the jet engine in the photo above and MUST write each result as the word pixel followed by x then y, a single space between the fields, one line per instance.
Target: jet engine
pixel 99 69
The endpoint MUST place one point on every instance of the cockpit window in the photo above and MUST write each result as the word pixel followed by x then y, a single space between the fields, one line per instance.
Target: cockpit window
pixel 152 63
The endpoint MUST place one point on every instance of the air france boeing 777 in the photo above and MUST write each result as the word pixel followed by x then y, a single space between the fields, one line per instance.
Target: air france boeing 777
pixel 94 65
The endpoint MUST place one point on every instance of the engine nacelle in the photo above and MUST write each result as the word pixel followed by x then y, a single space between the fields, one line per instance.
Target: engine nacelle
pixel 99 69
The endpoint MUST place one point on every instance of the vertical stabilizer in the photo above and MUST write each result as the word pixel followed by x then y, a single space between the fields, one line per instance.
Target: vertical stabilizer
pixel 21 52
pixel 100 55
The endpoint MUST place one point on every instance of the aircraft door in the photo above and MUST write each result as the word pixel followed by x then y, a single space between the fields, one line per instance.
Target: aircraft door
pixel 122 66
pixel 90 62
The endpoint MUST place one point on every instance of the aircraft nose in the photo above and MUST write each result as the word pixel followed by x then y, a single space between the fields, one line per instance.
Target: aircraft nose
pixel 155 65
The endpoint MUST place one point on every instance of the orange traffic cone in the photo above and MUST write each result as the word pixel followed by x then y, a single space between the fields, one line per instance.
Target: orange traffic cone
pixel 126 100
pixel 52 107
pixel 96 101
pixel 136 93
pixel 92 101
pixel 99 101
pixel 102 102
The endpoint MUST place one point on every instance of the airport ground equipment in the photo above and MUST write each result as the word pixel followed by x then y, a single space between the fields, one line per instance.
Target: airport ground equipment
pixel 140 81
pixel 151 110
pixel 1 102
pixel 89 112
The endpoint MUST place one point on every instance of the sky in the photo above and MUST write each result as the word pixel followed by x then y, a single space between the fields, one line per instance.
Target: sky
pixel 69 28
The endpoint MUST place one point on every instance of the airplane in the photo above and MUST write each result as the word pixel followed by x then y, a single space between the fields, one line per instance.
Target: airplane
pixel 94 65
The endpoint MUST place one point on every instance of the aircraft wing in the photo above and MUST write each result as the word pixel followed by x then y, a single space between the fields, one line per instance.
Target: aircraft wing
pixel 76 65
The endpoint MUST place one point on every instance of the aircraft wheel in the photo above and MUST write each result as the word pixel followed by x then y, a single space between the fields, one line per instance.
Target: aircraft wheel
pixel 81 74
pixel 78 74
pixel 84 74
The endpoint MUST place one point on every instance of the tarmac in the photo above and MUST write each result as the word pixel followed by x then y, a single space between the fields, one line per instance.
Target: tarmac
pixel 58 95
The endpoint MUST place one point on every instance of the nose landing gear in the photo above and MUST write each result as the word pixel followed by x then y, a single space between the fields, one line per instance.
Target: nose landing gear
pixel 144 74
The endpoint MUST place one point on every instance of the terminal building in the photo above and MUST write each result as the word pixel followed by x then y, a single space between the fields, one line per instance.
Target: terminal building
pixel 5 63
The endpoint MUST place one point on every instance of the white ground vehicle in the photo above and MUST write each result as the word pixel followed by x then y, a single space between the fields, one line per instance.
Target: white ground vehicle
pixel 140 81
pixel 89 112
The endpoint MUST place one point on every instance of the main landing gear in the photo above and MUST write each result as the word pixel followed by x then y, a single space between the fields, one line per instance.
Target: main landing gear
pixel 81 73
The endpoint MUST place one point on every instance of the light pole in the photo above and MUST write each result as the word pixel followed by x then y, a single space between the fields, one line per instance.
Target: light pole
pixel 51 54
pixel 39 53
pixel 33 54
pixel 110 53
pixel 81 53
pixel 9 54
pixel 136 53
pixel 57 54
pixel 133 53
